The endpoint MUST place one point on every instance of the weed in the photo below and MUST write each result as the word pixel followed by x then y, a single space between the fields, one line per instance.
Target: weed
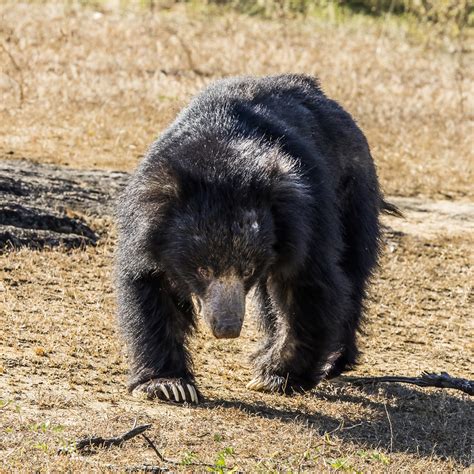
pixel 45 427
pixel 374 456
pixel 42 447
pixel 188 458
pixel 220 464
pixel 340 464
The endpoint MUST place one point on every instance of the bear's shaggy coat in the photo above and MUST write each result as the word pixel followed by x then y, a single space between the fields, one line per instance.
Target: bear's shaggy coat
pixel 267 184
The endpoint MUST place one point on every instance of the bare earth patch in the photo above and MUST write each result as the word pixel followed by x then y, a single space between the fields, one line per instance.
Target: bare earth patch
pixel 428 218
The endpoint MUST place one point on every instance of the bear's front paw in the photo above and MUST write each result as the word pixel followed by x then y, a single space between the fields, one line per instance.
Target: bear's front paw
pixel 169 390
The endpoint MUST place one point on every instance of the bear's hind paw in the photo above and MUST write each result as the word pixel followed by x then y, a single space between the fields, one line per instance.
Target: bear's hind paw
pixel 280 384
pixel 168 390
pixel 275 383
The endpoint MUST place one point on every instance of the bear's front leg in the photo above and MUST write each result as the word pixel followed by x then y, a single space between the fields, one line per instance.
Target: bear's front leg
pixel 305 337
pixel 155 325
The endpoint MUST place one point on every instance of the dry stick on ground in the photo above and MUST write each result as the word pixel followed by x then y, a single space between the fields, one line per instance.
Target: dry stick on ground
pixel 98 441
pixel 171 461
pixel 152 446
pixel 442 380
pixel 85 445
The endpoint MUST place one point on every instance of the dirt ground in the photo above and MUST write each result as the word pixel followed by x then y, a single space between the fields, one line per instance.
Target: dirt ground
pixel 91 87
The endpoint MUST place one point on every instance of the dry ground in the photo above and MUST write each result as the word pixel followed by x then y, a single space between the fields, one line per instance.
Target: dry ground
pixel 90 87
pixel 64 375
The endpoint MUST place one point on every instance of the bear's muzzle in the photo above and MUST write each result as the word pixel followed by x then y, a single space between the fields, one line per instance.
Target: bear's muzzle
pixel 223 307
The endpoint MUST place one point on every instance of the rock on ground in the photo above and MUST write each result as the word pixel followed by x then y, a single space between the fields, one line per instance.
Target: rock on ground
pixel 45 205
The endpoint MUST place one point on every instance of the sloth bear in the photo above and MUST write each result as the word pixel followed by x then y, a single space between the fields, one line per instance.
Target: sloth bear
pixel 262 184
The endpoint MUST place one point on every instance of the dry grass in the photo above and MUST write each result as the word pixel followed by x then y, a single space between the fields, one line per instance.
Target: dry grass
pixel 91 88
pixel 98 84
pixel 64 375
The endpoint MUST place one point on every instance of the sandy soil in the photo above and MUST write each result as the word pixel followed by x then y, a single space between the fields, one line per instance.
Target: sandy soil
pixel 427 218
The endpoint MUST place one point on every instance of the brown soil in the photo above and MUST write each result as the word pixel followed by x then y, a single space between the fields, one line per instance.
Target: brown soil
pixel 92 87
pixel 64 372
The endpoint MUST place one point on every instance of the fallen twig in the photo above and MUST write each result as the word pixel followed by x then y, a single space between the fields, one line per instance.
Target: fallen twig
pixel 85 445
pixel 98 441
pixel 152 446
pixel 442 380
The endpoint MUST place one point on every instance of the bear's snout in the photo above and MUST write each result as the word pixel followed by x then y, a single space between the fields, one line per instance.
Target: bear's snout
pixel 227 329
pixel 223 307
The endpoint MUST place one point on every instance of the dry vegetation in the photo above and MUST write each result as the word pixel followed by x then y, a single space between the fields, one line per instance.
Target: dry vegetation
pixel 91 87
pixel 64 375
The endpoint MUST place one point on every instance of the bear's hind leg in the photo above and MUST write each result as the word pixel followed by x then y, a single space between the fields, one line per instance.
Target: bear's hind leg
pixel 308 333
pixel 361 244
pixel 349 356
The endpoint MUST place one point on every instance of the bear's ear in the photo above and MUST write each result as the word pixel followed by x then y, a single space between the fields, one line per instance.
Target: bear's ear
pixel 159 185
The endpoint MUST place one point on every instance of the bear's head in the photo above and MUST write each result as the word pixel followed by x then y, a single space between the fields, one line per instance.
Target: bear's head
pixel 224 229
pixel 217 253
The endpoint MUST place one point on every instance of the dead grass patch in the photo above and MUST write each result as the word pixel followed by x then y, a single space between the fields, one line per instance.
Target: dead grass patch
pixel 92 87
pixel 64 376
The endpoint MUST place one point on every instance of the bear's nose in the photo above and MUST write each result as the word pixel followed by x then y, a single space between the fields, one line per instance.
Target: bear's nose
pixel 227 329
pixel 223 307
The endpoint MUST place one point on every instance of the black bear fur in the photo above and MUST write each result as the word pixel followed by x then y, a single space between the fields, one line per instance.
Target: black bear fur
pixel 270 180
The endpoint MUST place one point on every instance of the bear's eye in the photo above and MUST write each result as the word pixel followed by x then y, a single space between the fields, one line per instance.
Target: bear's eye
pixel 204 272
pixel 248 272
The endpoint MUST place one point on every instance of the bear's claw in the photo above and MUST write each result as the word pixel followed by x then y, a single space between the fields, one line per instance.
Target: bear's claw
pixel 173 390
pixel 274 383
pixel 255 384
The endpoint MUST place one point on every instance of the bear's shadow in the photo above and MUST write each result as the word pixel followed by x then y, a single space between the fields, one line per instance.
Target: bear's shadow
pixel 419 421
